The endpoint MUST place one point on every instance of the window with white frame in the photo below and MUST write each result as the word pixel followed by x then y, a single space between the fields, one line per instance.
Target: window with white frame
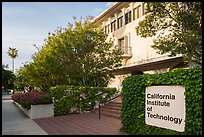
pixel 120 22
pixel 128 17
pixel 107 29
pixel 144 8
pixel 113 26
pixel 124 44
pixel 137 12
pixel 121 43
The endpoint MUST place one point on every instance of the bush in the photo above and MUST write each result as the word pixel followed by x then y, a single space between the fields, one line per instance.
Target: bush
pixel 32 98
pixel 133 104
pixel 67 98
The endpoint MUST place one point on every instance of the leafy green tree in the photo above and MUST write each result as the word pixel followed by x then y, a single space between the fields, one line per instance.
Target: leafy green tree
pixel 177 26
pixel 19 82
pixel 8 78
pixel 22 78
pixel 76 55
pixel 32 75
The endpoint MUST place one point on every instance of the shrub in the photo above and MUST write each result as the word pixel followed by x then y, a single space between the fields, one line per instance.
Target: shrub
pixel 32 98
pixel 67 98
pixel 133 104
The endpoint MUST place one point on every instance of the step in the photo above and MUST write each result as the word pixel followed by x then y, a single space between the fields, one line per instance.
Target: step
pixel 119 100
pixel 113 104
pixel 104 108
pixel 110 114
pixel 112 107
pixel 110 110
pixel 107 114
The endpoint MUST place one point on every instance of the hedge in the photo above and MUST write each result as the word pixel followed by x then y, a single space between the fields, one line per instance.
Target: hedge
pixel 133 104
pixel 75 99
pixel 32 98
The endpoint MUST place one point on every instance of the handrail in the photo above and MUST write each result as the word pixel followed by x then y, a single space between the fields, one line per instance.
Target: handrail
pixel 99 114
pixel 96 95
pixel 92 97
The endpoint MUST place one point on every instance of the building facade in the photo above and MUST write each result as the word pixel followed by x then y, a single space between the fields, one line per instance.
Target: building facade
pixel 119 22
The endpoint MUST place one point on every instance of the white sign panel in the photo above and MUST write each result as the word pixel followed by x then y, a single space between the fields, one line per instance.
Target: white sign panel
pixel 165 107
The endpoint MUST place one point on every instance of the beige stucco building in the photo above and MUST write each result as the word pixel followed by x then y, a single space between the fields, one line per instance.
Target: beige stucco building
pixel 119 22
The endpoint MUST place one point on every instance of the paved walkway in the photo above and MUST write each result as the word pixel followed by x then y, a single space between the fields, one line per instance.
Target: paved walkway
pixel 6 97
pixel 15 122
pixel 80 124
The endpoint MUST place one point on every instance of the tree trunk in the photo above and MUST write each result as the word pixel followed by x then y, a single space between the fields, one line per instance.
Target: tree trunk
pixel 13 64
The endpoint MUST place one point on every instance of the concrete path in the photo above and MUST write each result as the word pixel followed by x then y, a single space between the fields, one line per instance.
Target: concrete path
pixel 15 122
pixel 6 97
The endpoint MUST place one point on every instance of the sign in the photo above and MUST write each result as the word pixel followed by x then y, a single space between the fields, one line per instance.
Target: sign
pixel 165 107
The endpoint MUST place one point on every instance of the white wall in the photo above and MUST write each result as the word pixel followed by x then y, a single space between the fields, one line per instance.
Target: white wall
pixel 141 47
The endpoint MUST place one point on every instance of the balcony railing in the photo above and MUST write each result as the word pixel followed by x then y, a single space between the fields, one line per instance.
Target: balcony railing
pixel 126 50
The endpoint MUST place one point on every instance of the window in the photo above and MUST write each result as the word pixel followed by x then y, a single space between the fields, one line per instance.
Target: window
pixel 121 43
pixel 107 29
pixel 120 22
pixel 104 29
pixel 124 44
pixel 137 12
pixel 113 26
pixel 128 17
pixel 144 8
pixel 127 44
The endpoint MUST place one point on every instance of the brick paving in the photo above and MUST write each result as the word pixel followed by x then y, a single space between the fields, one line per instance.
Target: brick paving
pixel 80 124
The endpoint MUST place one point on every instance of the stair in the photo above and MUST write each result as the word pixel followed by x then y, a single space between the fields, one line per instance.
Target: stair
pixel 111 109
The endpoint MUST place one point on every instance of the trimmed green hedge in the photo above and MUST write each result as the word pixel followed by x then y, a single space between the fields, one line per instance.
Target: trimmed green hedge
pixel 133 105
pixel 67 98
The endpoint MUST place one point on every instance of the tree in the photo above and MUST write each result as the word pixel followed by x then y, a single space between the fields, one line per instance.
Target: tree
pixel 21 79
pixel 12 52
pixel 177 26
pixel 76 55
pixel 8 78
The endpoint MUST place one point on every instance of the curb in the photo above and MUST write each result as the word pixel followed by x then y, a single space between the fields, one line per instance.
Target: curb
pixel 22 109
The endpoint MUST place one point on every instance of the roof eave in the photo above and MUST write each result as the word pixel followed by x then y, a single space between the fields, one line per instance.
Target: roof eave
pixel 106 11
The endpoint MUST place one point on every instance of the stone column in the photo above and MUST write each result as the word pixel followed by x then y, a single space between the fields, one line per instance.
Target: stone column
pixel 132 10
pixel 123 11
pixel 109 22
pixel 103 25
pixel 116 17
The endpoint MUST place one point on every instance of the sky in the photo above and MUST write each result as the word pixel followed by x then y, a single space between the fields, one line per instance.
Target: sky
pixel 27 23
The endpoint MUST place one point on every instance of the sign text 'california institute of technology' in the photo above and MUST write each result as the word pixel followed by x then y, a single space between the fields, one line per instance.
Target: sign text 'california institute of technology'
pixel 165 107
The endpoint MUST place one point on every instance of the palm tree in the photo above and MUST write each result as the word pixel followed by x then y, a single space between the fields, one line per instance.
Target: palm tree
pixel 12 52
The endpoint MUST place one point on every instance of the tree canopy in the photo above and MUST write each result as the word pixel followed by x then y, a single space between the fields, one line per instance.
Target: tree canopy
pixel 77 55
pixel 177 26
pixel 8 78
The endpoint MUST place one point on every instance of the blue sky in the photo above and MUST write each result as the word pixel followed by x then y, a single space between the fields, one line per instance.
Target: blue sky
pixel 28 23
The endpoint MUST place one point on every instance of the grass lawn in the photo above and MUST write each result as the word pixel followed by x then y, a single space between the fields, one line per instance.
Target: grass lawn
pixel 4 93
pixel 18 92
